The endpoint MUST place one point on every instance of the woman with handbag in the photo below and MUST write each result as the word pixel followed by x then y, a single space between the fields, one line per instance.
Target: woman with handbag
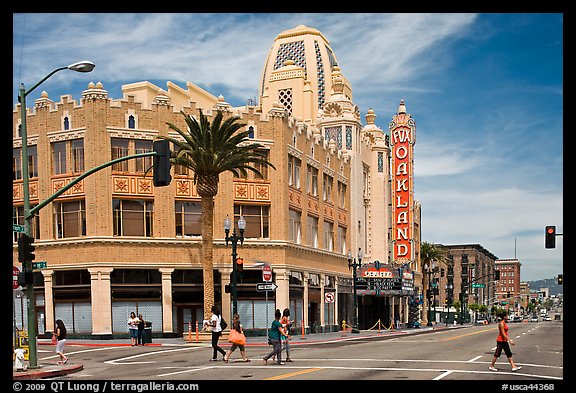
pixel 237 338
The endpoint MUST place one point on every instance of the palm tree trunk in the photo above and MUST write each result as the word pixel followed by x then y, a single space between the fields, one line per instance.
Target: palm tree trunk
pixel 207 255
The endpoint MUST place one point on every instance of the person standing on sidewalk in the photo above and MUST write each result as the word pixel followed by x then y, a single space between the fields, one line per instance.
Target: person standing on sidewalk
pixel 216 333
pixel 60 333
pixel 141 326
pixel 503 342
pixel 274 339
pixel 133 328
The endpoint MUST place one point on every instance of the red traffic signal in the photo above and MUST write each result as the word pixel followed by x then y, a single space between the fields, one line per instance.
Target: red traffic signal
pixel 239 265
pixel 550 236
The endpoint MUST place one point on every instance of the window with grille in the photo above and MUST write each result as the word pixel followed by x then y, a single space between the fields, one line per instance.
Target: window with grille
pixel 285 98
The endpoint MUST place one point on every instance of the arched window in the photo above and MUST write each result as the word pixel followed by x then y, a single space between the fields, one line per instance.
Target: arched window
pixel 66 123
pixel 131 122
pixel 251 134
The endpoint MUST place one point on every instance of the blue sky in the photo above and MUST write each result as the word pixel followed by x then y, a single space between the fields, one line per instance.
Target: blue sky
pixel 485 90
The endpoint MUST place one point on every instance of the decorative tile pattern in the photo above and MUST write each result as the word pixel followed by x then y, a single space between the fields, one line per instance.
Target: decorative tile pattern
pixel 291 51
pixel 380 162
pixel 349 137
pixel 320 73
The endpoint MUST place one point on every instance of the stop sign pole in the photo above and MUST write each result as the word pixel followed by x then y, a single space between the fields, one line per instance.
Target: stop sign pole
pixel 267 277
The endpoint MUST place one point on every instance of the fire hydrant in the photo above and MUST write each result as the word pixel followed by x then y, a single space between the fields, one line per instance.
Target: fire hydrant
pixel 19 361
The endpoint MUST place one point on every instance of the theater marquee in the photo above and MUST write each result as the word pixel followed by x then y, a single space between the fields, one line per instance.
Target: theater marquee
pixel 402 140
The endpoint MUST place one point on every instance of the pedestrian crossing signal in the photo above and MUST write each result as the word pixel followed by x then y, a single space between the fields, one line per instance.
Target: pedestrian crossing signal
pixel 560 279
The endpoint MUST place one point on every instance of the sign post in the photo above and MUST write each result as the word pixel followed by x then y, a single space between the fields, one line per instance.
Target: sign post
pixel 266 277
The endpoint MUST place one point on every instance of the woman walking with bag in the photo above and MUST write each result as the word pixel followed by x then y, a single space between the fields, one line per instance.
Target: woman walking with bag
pixel 237 338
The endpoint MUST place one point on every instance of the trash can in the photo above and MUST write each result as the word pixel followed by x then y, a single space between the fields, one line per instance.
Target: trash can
pixel 147 333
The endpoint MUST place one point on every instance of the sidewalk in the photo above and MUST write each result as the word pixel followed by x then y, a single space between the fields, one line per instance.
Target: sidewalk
pixel 49 369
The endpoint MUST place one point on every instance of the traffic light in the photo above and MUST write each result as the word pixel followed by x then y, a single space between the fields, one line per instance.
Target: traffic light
pixel 550 236
pixel 26 248
pixel 239 265
pixel 161 176
pixel 442 272
pixel 497 275
pixel 560 279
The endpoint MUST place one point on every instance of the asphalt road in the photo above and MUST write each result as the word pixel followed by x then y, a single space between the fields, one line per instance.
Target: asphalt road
pixel 445 355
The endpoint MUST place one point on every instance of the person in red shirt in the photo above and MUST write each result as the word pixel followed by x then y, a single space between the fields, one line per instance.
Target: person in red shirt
pixel 503 343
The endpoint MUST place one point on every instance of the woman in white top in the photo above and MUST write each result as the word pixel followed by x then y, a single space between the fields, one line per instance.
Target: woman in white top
pixel 216 333
pixel 133 328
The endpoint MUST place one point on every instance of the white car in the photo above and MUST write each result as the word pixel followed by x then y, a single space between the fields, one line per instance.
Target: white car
pixel 547 318
pixel 534 318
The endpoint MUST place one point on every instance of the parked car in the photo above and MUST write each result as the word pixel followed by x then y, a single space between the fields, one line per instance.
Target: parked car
pixel 481 321
pixel 517 318
pixel 547 318
pixel 534 318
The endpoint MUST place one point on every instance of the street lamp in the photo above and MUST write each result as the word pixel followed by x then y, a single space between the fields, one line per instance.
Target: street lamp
pixel 352 263
pixel 449 289
pixel 81 66
pixel 234 239
pixel 429 269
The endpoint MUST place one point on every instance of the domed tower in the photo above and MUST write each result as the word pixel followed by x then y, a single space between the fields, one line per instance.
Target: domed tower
pixel 298 73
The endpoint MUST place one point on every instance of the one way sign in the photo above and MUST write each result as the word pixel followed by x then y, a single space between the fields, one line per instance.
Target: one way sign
pixel 265 286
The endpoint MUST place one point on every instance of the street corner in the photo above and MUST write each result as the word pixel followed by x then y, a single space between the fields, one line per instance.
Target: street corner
pixel 45 371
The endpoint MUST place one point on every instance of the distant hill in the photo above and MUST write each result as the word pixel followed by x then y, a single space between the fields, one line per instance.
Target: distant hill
pixel 550 283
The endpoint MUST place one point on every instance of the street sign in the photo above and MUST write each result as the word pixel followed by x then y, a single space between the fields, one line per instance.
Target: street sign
pixel 478 285
pixel 18 228
pixel 329 297
pixel 264 286
pixel 39 265
pixel 15 272
pixel 267 273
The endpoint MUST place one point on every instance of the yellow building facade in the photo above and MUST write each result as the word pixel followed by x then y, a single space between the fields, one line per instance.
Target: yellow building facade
pixel 114 243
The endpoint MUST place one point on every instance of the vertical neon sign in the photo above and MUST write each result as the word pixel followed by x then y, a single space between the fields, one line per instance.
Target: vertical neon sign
pixel 402 140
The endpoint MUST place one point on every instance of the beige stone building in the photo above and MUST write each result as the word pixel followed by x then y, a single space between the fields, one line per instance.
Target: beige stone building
pixel 114 243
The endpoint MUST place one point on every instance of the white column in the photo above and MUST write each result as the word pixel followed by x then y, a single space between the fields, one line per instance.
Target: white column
pixel 48 299
pixel 101 294
pixel 167 299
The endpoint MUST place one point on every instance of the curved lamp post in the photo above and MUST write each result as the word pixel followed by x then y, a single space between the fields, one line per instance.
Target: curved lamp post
pixel 234 239
pixel 81 66
pixel 352 263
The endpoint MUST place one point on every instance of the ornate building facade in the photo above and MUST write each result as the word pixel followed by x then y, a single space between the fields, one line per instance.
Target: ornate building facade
pixel 114 243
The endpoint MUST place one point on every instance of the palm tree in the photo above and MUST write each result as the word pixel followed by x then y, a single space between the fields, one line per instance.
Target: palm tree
pixel 430 252
pixel 209 149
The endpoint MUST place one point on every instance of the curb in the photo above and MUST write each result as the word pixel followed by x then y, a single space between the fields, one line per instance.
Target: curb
pixel 39 374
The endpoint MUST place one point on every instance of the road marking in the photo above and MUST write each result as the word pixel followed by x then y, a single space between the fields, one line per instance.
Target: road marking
pixel 282 376
pixel 76 352
pixel 474 359
pixel 123 360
